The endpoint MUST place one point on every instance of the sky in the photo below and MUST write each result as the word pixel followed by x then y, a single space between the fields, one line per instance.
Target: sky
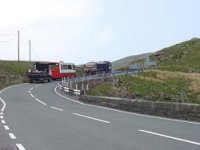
pixel 81 31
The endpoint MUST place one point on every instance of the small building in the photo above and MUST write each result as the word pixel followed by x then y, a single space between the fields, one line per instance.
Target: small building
pixel 136 68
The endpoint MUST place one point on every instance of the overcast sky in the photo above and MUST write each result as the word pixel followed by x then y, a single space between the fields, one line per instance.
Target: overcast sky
pixel 80 31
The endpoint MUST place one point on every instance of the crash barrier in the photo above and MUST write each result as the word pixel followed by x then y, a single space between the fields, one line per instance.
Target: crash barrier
pixel 71 91
pixel 184 111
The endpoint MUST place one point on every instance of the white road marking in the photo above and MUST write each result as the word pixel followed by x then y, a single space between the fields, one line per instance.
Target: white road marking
pixel 20 147
pixel 67 97
pixel 1 113
pixel 143 115
pixel 130 113
pixel 3 121
pixel 32 95
pixel 100 120
pixel 170 137
pixel 1 117
pixel 41 102
pixel 4 104
pixel 12 136
pixel 57 108
pixel 6 128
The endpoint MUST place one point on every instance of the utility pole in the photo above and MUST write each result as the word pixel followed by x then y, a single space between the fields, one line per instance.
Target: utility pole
pixel 30 50
pixel 18 45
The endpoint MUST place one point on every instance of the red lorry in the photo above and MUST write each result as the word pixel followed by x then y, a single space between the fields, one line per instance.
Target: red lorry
pixel 45 71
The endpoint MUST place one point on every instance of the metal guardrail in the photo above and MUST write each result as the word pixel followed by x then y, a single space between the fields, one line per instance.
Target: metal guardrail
pixel 70 91
pixel 66 83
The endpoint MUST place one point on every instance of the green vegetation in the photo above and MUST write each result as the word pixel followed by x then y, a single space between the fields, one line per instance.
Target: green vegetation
pixel 12 72
pixel 101 90
pixel 154 86
pixel 182 57
pixel 124 63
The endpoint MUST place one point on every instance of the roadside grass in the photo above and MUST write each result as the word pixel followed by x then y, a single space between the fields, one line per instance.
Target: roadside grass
pixel 101 90
pixel 156 85
pixel 12 72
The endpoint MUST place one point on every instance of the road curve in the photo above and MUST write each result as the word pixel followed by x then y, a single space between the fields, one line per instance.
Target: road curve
pixel 39 118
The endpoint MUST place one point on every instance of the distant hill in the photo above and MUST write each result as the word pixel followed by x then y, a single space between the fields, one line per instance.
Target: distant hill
pixel 127 61
pixel 184 57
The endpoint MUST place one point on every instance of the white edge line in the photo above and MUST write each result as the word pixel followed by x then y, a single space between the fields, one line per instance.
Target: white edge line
pixel 4 105
pixel 67 97
pixel 57 108
pixel 6 128
pixel 143 115
pixel 3 121
pixel 32 95
pixel 41 102
pixel 100 120
pixel 12 136
pixel 130 113
pixel 20 147
pixel 170 137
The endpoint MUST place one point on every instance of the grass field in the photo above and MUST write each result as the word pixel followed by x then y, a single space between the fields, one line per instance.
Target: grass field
pixel 154 85
pixel 12 72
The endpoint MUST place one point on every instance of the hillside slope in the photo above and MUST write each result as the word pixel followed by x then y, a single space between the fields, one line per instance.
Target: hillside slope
pixel 183 57
pixel 12 72
pixel 127 61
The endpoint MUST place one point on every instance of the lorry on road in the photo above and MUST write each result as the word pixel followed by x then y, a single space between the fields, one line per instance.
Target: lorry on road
pixel 47 71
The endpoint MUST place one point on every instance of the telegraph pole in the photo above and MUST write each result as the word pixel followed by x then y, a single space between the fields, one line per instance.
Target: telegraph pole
pixel 30 50
pixel 18 45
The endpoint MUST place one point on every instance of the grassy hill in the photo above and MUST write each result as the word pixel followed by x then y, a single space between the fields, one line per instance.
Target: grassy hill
pixel 175 79
pixel 127 61
pixel 12 72
pixel 183 57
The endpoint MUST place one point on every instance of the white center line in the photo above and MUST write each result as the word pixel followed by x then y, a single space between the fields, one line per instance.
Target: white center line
pixel 20 147
pixel 41 102
pixel 100 120
pixel 6 128
pixel 1 117
pixel 3 121
pixel 12 136
pixel 1 113
pixel 170 137
pixel 32 95
pixel 57 108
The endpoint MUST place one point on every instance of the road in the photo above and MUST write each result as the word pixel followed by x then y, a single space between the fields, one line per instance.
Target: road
pixel 39 117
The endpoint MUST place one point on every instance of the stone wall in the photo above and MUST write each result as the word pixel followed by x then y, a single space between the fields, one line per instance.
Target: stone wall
pixel 167 109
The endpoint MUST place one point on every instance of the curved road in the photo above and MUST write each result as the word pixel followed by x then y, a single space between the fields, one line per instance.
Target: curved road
pixel 39 117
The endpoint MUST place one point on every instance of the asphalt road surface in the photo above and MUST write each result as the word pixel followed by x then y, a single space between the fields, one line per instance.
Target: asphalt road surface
pixel 39 117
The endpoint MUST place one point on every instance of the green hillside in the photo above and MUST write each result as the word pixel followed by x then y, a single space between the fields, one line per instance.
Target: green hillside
pixel 127 61
pixel 175 79
pixel 12 72
pixel 183 57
